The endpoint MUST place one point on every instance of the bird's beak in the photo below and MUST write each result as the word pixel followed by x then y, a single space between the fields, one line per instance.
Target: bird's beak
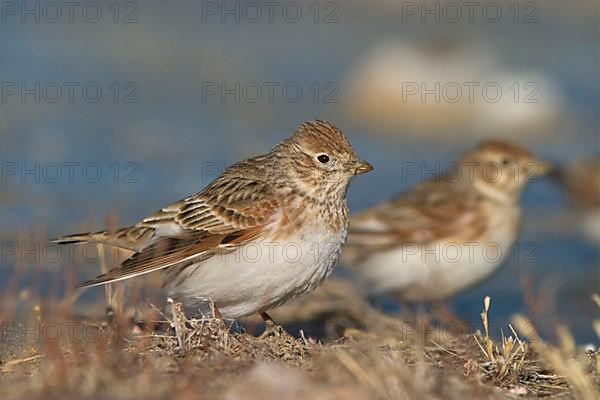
pixel 542 168
pixel 362 167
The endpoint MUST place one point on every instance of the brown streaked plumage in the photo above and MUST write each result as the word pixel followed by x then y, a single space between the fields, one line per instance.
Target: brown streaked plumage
pixel 295 191
pixel 388 245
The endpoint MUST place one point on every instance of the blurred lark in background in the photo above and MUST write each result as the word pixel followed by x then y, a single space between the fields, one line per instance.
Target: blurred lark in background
pixel 229 243
pixel 445 234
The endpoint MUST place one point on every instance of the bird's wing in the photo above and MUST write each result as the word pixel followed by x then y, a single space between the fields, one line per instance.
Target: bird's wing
pixel 228 213
pixel 431 211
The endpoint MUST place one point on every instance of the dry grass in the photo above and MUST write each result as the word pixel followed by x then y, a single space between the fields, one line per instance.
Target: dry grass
pixel 505 358
pixel 379 358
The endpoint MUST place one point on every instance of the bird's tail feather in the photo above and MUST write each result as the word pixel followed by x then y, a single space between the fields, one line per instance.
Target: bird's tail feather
pixel 120 238
pixel 100 237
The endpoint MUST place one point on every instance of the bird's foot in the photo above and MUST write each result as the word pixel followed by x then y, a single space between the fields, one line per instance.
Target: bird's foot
pixel 272 328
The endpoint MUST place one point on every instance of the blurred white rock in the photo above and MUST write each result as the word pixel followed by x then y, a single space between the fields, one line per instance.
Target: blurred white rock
pixel 443 90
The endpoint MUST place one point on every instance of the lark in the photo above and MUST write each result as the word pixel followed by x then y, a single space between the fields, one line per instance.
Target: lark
pixel 447 233
pixel 269 229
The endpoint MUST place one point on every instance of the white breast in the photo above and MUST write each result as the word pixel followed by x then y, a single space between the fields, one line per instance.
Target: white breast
pixel 262 275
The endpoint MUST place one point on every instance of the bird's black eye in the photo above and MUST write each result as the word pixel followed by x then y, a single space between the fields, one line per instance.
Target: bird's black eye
pixel 323 158
pixel 505 161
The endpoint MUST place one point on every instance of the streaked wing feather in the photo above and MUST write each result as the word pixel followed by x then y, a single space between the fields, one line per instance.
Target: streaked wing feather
pixel 163 253
pixel 208 224
pixel 431 211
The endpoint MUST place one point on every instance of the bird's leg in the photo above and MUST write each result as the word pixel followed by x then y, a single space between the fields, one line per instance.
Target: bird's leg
pixel 446 317
pixel 215 312
pixel 271 327
pixel 408 311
